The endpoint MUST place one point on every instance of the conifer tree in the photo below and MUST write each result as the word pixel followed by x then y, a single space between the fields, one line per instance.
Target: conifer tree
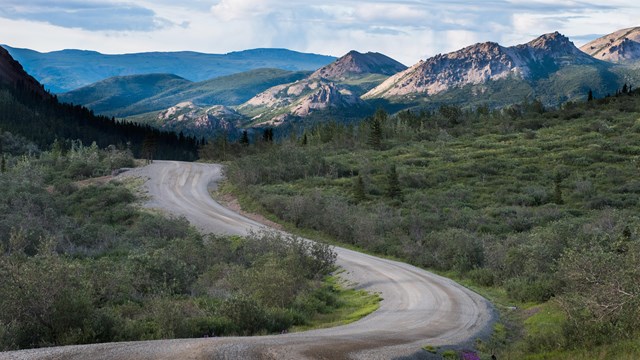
pixel 557 191
pixel 375 129
pixel 359 192
pixel 244 140
pixel 590 95
pixel 3 164
pixel 393 184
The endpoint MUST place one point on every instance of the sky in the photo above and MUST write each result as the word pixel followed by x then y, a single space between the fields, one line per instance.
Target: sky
pixel 406 30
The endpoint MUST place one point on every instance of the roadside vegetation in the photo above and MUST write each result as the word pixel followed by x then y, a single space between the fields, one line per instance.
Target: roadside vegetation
pixel 80 262
pixel 536 208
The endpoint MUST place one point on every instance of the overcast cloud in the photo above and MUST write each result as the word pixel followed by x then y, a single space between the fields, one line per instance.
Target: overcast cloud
pixel 407 30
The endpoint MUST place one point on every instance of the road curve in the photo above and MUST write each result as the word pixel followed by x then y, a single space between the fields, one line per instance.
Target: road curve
pixel 419 307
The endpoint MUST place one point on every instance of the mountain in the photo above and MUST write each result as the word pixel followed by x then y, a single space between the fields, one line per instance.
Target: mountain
pixel 482 63
pixel 622 46
pixel 13 75
pixel 26 109
pixel 273 106
pixel 121 91
pixel 334 86
pixel 66 70
pixel 146 96
pixel 355 64
pixel 190 119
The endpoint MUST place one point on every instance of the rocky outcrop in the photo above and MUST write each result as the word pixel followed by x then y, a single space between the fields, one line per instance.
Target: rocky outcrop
pixel 297 99
pixel 188 116
pixel 331 86
pixel 622 46
pixel 480 63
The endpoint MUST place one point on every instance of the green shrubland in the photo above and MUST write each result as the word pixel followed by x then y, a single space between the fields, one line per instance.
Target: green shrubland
pixel 541 204
pixel 80 262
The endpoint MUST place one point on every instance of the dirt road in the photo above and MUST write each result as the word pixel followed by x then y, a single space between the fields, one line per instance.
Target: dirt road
pixel 419 308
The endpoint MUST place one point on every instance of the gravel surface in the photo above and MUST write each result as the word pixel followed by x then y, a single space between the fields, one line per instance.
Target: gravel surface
pixel 419 308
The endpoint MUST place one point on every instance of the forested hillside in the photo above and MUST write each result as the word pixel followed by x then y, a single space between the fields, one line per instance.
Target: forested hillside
pixel 45 120
pixel 536 207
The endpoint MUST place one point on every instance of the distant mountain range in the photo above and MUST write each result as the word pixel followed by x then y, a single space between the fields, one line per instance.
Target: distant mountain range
pixel 26 109
pixel 549 68
pixel 12 74
pixel 65 70
pixel 123 96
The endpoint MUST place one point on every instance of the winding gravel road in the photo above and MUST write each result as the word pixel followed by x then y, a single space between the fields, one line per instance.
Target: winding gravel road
pixel 419 307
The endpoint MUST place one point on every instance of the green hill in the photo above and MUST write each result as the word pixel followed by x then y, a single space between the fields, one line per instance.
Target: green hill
pixel 131 95
pixel 121 91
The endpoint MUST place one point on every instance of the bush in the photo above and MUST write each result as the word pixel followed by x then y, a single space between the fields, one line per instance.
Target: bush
pixel 482 276
pixel 525 289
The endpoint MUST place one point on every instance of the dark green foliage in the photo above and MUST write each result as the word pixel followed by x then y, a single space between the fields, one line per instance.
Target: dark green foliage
pixel 359 191
pixel 393 184
pixel 81 263
pixel 557 190
pixel 244 140
pixel 267 135
pixel 42 121
pixel 375 128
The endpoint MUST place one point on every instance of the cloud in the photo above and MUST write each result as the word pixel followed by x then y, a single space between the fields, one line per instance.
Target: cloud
pixel 87 15
pixel 407 30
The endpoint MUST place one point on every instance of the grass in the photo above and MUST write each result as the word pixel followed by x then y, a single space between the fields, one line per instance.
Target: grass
pixel 352 305
pixel 430 348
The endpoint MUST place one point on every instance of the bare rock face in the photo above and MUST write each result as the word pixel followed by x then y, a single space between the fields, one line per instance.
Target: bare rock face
pixel 622 46
pixel 12 74
pixel 325 88
pixel 355 63
pixel 189 116
pixel 300 98
pixel 480 63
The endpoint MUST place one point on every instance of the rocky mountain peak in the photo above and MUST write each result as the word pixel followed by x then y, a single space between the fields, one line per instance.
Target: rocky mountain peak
pixel 622 46
pixel 483 62
pixel 356 64
pixel 551 41
pixel 553 44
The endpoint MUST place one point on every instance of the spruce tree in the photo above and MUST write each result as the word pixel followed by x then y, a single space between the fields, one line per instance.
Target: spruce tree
pixel 557 191
pixel 393 184
pixel 359 192
pixel 590 95
pixel 244 140
pixel 375 134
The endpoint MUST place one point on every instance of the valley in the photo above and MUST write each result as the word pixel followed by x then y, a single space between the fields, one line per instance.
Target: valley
pixel 479 203
pixel 549 69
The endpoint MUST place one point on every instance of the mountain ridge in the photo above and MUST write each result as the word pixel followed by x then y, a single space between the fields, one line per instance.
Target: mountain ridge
pixel 622 46
pixel 480 63
pixel 13 74
pixel 66 70
pixel 225 90
pixel 336 85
